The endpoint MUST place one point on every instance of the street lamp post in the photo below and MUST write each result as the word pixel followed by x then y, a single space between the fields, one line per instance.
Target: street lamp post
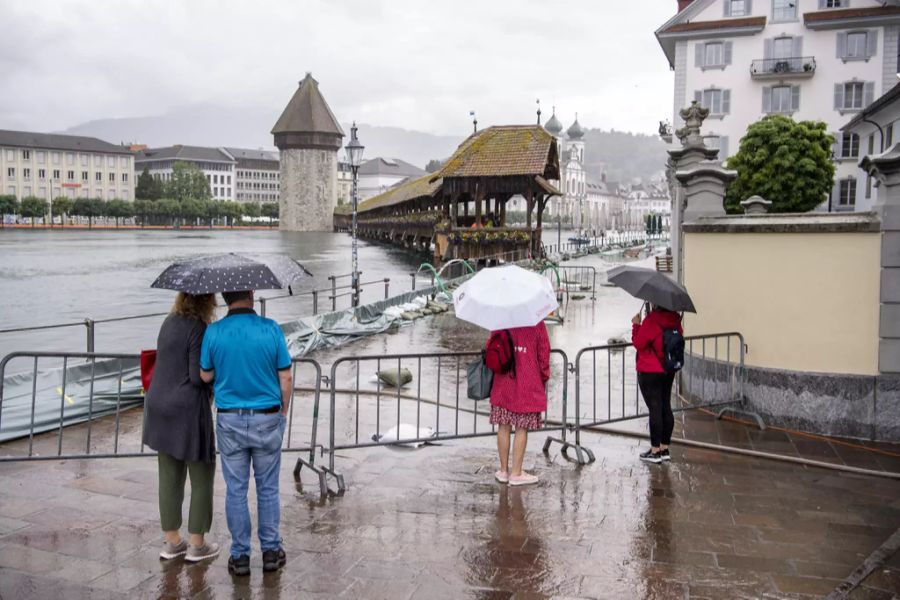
pixel 354 157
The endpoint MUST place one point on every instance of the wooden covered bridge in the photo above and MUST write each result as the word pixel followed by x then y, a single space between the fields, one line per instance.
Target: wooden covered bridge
pixel 460 211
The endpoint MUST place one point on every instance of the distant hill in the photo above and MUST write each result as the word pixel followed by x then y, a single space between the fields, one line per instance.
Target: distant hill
pixel 625 155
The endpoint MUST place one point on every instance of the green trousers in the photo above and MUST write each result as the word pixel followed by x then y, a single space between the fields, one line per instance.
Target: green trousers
pixel 172 474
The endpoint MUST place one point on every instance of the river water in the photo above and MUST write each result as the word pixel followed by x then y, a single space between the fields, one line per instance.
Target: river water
pixel 49 277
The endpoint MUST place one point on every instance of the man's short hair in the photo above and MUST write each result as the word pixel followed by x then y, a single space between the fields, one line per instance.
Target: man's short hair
pixel 232 297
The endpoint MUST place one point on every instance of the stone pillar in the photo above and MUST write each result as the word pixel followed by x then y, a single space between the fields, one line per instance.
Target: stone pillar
pixel 703 186
pixel 692 152
pixel 885 168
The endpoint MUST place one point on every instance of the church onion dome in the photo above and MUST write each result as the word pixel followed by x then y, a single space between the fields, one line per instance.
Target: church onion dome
pixel 553 126
pixel 575 132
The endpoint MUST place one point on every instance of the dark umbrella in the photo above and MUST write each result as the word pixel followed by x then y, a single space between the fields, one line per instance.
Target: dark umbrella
pixel 231 273
pixel 651 286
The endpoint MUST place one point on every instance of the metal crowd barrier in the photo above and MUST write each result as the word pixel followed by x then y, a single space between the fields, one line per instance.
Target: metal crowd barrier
pixel 80 405
pixel 607 391
pixel 583 278
pixel 433 407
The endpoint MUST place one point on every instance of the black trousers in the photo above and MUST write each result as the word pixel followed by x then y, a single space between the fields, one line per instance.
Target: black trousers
pixel 657 391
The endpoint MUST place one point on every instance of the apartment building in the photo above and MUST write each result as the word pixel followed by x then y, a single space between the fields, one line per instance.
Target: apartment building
pixel 809 59
pixel 379 174
pixel 50 165
pixel 257 175
pixel 216 163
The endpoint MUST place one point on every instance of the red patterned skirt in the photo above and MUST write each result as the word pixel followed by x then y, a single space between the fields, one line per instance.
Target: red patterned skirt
pixel 529 421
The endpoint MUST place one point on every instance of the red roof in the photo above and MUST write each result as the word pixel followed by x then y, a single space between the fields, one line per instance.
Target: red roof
pixel 720 24
pixel 850 13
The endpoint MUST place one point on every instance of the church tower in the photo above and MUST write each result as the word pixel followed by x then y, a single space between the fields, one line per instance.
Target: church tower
pixel 309 137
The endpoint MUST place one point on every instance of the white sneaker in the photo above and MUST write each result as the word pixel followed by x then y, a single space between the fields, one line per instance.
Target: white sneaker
pixel 170 551
pixel 198 553
pixel 523 479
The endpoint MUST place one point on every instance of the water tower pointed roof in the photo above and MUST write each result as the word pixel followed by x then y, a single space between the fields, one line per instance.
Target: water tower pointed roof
pixel 307 120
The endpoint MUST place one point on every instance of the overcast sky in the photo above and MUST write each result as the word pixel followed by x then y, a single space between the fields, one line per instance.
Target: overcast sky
pixel 415 64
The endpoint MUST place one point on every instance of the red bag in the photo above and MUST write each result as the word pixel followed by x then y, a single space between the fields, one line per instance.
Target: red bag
pixel 500 353
pixel 148 363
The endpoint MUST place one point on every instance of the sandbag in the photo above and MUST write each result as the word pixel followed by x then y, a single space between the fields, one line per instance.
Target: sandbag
pixel 395 377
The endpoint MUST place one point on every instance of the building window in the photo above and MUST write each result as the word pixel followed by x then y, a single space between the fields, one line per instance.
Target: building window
pixel 26 174
pixel 717 101
pixel 228 179
pixel 124 177
pixel 55 157
pixel 112 177
pixel 41 157
pixel 42 174
pixel 11 172
pixel 112 193
pixel 84 175
pixel 834 3
pixel 56 174
pixel 708 55
pixel 849 145
pixel 781 99
pixel 26 154
pixel 853 95
pixel 99 193
pixel 888 136
pixel 43 192
pixel 71 175
pixel 10 155
pixel 70 158
pixel 84 160
pixel 98 160
pixel 123 162
pixel 11 190
pixel 847 193
pixel 111 162
pixel 98 176
pixel 125 195
pixel 784 10
pixel 857 45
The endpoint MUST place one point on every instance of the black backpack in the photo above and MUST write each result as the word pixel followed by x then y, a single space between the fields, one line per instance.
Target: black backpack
pixel 673 351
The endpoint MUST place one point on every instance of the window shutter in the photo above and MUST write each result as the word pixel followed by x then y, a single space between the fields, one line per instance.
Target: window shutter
pixel 748 8
pixel 726 102
pixel 767 100
pixel 727 8
pixel 698 97
pixel 723 147
pixel 838 96
pixel 871 43
pixel 842 44
pixel 838 147
pixel 798 46
pixel 868 93
pixel 795 98
pixel 727 53
pixel 698 54
pixel 768 48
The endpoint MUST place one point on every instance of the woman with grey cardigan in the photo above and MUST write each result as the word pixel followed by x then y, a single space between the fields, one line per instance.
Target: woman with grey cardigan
pixel 179 426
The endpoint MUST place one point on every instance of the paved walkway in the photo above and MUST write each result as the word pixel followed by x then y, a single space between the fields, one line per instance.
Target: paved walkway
pixel 431 523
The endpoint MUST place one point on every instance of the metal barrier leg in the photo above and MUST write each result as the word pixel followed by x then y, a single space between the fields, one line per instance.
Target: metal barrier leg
pixel 583 455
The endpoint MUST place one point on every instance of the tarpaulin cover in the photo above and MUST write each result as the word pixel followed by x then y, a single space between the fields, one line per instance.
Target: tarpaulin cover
pixel 23 393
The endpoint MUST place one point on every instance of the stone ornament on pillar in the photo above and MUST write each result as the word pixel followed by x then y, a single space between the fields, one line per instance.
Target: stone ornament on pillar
pixel 693 116
pixel 756 205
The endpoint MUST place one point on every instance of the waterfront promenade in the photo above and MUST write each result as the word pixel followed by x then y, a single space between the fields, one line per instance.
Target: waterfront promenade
pixel 431 523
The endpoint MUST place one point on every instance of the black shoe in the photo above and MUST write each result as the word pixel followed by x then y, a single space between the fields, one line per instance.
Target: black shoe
pixel 651 456
pixel 239 566
pixel 664 454
pixel 274 559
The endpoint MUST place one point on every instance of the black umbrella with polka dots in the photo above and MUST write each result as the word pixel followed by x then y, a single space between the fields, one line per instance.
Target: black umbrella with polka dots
pixel 231 273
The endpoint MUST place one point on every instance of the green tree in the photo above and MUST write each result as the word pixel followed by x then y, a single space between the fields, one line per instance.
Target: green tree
pixel 90 208
pixel 434 165
pixel 9 205
pixel 61 206
pixel 786 162
pixel 213 211
pixel 148 186
pixel 270 210
pixel 252 209
pixel 231 210
pixel 33 207
pixel 119 209
pixel 192 208
pixel 169 209
pixel 187 181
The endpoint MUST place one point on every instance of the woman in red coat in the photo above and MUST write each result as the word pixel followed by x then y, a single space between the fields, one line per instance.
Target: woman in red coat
pixel 518 398
pixel 654 381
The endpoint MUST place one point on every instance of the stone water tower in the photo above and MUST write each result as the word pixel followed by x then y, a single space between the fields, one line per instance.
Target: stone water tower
pixel 308 136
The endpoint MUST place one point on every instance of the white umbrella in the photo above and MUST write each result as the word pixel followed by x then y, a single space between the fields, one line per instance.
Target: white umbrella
pixel 504 298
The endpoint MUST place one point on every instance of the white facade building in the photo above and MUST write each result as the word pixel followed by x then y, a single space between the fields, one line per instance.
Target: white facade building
pixel 379 174
pixel 216 163
pixel 869 132
pixel 809 59
pixel 49 166
pixel 257 175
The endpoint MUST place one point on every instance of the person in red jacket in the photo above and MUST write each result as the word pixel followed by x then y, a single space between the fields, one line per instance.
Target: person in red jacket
pixel 518 398
pixel 655 383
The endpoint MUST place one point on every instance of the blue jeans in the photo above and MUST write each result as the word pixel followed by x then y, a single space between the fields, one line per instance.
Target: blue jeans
pixel 244 439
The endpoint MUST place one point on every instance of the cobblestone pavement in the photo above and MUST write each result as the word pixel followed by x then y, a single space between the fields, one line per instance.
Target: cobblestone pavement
pixel 431 523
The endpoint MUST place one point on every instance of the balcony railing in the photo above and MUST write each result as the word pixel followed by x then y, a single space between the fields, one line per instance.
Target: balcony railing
pixel 779 68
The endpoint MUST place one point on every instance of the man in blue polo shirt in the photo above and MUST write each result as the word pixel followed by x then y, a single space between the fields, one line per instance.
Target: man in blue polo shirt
pixel 246 357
